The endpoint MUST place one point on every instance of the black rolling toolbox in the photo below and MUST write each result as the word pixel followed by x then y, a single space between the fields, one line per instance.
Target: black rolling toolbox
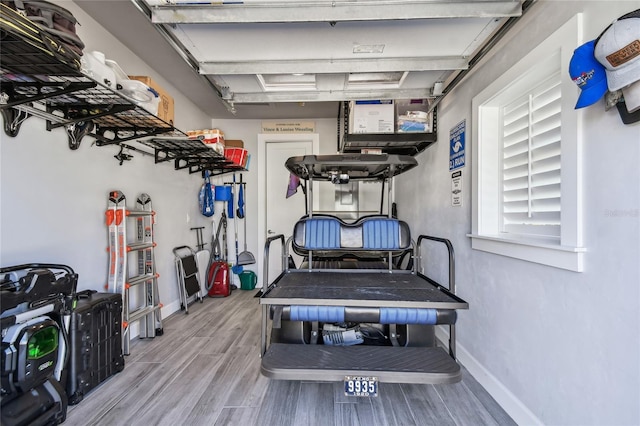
pixel 95 335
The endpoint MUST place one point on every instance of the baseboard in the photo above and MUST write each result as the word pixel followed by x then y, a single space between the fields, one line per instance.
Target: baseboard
pixel 172 307
pixel 507 400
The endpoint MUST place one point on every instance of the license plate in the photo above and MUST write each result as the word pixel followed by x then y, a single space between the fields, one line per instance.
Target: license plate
pixel 360 386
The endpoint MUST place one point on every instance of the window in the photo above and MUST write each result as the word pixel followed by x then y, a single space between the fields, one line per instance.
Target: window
pixel 531 153
pixel 526 194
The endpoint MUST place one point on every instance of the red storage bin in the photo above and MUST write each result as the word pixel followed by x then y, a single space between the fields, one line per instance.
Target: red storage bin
pixel 237 155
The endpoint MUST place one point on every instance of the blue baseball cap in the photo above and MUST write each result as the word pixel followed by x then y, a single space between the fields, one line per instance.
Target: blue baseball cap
pixel 588 74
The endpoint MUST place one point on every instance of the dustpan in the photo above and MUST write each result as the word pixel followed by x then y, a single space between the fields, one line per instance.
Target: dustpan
pixel 246 258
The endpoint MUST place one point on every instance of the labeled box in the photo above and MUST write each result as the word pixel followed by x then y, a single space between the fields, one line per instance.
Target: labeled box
pixel 212 138
pixel 371 116
pixel 237 155
pixel 165 109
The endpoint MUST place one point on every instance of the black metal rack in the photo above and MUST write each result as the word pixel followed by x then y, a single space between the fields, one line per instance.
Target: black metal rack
pixel 190 154
pixel 389 143
pixel 34 82
pixel 37 80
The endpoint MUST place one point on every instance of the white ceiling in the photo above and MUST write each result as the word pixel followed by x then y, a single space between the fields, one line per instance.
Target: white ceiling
pixel 297 59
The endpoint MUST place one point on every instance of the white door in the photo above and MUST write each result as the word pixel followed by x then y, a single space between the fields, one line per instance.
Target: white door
pixel 281 213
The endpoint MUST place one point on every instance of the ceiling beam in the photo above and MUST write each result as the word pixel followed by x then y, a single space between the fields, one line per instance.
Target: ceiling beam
pixel 322 66
pixel 264 11
pixel 330 95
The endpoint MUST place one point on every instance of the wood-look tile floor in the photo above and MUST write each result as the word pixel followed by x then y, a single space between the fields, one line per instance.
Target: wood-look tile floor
pixel 205 370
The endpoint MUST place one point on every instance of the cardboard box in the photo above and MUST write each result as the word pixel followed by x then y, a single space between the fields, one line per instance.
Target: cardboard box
pixel 212 138
pixel 371 117
pixel 165 109
pixel 234 143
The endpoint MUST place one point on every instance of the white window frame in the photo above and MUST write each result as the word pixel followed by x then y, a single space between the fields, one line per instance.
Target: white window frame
pixel 486 235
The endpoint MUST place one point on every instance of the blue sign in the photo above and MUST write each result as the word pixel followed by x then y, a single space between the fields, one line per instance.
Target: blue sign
pixel 456 145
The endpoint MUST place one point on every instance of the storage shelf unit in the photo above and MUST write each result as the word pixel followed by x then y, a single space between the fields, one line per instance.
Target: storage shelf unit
pixel 390 143
pixel 34 82
pixel 190 154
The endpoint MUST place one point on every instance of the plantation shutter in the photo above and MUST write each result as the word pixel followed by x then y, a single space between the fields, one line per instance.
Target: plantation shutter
pixel 531 161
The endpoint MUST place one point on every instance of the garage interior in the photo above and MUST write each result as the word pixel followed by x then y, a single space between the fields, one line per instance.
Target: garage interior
pixel 540 343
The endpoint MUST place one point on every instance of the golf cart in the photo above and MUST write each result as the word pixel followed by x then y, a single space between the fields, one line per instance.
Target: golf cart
pixel 351 312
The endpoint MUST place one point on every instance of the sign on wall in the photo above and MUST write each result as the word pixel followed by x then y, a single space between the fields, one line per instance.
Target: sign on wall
pixel 288 127
pixel 456 146
pixel 456 188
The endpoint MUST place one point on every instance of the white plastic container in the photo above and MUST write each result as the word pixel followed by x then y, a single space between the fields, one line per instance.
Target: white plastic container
pixel 140 94
pixel 134 90
pixel 94 66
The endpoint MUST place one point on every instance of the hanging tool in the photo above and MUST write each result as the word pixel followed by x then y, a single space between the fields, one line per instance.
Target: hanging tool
pixel 202 259
pixel 206 197
pixel 200 242
pixel 122 156
pixel 217 281
pixel 230 202
pixel 237 268
pixel 246 257
pixel 240 211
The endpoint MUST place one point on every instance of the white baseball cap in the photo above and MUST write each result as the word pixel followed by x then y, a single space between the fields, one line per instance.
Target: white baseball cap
pixel 618 50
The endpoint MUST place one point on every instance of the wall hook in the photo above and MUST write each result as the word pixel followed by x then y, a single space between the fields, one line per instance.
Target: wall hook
pixel 122 156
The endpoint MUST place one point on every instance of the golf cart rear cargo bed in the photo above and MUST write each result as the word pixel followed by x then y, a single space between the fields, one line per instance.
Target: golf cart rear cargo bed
pixel 360 289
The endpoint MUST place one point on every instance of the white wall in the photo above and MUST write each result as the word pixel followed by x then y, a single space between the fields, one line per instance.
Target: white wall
pixel 52 199
pixel 552 346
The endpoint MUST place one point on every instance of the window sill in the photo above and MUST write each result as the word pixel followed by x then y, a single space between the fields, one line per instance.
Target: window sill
pixel 563 257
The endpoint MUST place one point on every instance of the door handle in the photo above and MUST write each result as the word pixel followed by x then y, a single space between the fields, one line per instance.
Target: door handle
pixel 270 232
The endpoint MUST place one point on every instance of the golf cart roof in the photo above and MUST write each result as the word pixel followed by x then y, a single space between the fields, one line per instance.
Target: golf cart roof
pixel 355 166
